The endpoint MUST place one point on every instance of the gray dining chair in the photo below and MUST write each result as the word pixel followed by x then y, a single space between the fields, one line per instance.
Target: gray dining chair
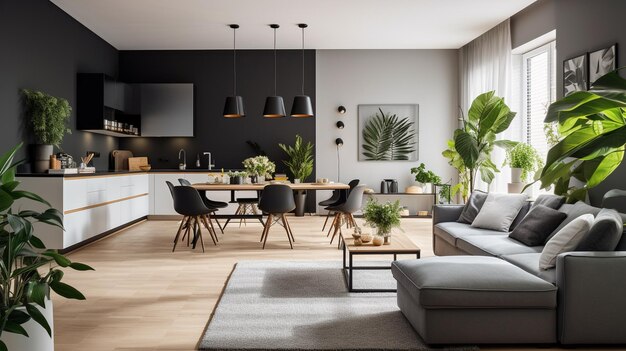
pixel 344 213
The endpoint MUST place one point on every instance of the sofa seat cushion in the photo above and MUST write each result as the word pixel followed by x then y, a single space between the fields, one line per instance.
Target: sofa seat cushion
pixel 530 263
pixel 494 245
pixel 450 231
pixel 472 282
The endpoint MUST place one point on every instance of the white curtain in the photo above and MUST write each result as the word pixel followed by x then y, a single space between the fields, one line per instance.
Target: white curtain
pixel 485 65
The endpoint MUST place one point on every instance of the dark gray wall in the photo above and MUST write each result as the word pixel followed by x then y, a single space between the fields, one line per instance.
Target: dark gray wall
pixel 585 26
pixel 581 26
pixel 43 48
pixel 532 22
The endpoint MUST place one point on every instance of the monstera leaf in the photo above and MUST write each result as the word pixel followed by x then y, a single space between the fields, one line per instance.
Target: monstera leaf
pixel 388 137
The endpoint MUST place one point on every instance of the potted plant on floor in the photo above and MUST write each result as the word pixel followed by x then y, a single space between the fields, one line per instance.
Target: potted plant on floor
pixel 383 217
pixel 25 284
pixel 426 178
pixel 48 119
pixel 523 160
pixel 259 168
pixel 300 162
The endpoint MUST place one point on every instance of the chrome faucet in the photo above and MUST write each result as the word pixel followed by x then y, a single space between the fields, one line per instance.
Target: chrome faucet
pixel 183 165
pixel 211 165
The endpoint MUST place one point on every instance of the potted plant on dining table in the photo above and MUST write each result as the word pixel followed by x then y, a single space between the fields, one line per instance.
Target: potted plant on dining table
pixel 259 168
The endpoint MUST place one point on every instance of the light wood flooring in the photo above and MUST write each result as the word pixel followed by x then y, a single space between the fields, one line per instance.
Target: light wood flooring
pixel 144 297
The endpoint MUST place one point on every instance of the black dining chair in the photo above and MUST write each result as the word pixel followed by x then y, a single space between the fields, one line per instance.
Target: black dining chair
pixel 344 213
pixel 187 202
pixel 207 202
pixel 343 196
pixel 276 200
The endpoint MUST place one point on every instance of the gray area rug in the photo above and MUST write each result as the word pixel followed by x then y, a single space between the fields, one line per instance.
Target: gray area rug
pixel 271 305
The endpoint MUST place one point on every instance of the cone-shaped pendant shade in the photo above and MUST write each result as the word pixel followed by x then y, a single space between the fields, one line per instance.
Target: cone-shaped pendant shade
pixel 274 107
pixel 302 106
pixel 233 108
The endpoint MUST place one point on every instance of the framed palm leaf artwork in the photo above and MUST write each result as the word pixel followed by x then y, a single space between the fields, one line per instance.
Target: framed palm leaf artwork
pixel 575 74
pixel 388 132
pixel 602 62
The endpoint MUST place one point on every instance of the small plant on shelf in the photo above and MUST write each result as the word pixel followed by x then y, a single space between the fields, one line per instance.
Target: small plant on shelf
pixel 300 161
pixel 425 177
pixel 525 158
pixel 382 216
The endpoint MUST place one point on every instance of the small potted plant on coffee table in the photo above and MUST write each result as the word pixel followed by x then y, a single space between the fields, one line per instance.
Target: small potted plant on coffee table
pixel 383 216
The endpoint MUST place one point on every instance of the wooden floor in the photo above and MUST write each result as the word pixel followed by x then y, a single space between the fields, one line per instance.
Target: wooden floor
pixel 144 297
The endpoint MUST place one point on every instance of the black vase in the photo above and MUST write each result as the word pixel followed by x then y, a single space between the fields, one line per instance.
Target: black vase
pixel 40 156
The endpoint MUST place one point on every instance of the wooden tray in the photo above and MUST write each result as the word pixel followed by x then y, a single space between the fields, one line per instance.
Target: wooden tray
pixel 134 163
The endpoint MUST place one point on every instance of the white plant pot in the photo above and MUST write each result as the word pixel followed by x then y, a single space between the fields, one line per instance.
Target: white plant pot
pixel 38 337
pixel 427 188
pixel 296 181
pixel 516 175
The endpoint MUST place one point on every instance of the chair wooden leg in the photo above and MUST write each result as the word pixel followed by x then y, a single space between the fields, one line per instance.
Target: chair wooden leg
pixel 219 225
pixel 207 224
pixel 326 221
pixel 208 221
pixel 333 224
pixel 268 224
pixel 288 230
pixel 180 228
pixel 338 225
pixel 200 235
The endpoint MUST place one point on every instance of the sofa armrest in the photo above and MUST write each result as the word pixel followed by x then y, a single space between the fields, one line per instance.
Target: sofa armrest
pixel 592 297
pixel 446 213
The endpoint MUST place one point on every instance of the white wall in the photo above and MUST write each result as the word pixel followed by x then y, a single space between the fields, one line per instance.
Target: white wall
pixel 352 77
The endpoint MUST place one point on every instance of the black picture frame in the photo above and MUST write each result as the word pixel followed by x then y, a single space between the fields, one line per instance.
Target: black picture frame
pixel 575 74
pixel 601 62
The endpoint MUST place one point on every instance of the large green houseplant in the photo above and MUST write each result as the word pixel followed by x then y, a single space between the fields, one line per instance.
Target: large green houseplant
pixel 592 129
pixel 474 142
pixel 300 162
pixel 48 119
pixel 23 282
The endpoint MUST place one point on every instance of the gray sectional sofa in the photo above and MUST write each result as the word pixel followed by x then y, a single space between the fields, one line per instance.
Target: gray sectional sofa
pixel 588 288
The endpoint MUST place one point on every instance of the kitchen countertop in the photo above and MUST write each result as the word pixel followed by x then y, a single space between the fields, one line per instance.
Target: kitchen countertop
pixel 106 173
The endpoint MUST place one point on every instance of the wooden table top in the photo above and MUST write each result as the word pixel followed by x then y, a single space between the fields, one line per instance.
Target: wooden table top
pixel 400 244
pixel 299 186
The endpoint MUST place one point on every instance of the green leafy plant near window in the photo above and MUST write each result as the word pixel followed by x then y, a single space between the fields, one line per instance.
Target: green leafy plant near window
pixel 455 160
pixel 425 176
pixel 300 162
pixel 474 142
pixel 49 116
pixel 383 216
pixel 388 137
pixel 592 128
pixel 525 157
pixel 23 256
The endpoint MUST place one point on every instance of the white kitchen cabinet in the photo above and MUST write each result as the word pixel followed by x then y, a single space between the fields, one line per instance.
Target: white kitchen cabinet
pixel 163 202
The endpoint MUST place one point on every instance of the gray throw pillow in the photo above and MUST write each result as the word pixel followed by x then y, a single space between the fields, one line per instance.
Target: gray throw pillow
pixel 621 246
pixel 549 200
pixel 472 207
pixel 499 211
pixel 605 232
pixel 565 240
pixel 537 225
pixel 578 209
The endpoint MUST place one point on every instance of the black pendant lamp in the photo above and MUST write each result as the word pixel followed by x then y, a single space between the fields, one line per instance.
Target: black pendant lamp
pixel 274 106
pixel 302 103
pixel 233 108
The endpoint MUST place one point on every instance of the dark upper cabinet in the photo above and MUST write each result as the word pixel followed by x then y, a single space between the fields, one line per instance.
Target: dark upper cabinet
pixel 101 98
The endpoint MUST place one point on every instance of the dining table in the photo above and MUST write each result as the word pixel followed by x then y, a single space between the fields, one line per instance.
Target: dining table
pixel 299 189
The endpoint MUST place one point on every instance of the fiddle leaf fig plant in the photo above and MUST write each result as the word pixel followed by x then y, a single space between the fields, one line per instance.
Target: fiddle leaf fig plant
pixel 592 129
pixel 474 142
pixel 24 280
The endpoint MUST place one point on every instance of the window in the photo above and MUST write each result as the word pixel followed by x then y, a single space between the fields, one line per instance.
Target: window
pixel 538 92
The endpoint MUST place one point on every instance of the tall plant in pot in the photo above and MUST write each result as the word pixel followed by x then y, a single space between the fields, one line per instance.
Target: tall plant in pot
pixel 474 142
pixel 524 161
pixel 25 283
pixel 48 119
pixel 425 177
pixel 382 216
pixel 300 162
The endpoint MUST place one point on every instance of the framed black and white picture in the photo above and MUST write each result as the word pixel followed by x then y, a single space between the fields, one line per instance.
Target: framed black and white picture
pixel 575 74
pixel 388 132
pixel 602 62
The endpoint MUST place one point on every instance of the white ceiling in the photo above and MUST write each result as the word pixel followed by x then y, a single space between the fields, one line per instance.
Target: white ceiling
pixel 333 24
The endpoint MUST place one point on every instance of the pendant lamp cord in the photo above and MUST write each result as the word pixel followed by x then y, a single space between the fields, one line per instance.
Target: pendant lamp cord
pixel 234 62
pixel 275 90
pixel 303 61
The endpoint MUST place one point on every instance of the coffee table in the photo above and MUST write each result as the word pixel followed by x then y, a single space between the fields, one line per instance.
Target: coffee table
pixel 400 245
